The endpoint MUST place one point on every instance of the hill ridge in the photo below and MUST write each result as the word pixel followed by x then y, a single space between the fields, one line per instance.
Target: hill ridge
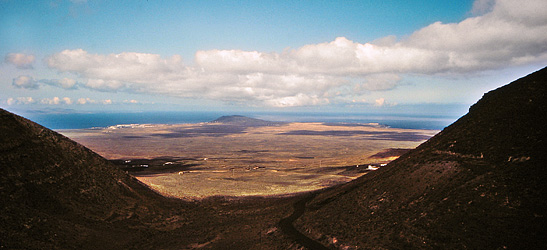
pixel 56 193
pixel 477 184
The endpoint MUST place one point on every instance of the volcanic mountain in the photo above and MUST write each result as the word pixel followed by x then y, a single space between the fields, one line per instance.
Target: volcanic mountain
pixel 478 184
pixel 245 121
pixel 55 193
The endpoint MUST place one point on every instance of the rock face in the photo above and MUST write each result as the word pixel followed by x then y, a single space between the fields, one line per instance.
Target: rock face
pixel 55 193
pixel 478 184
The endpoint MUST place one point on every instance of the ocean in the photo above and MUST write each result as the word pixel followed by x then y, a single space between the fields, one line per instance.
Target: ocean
pixel 99 120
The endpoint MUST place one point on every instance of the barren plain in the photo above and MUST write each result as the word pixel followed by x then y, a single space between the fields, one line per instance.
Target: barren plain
pixel 193 161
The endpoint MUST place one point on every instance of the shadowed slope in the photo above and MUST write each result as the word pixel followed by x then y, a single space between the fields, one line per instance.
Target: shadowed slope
pixel 478 184
pixel 55 193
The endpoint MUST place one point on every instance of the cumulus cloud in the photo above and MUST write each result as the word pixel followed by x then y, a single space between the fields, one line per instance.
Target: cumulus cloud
pixel 25 82
pixel 52 101
pixel 59 101
pixel 20 100
pixel 67 100
pixel 87 100
pixel 296 100
pixel 28 82
pixel 20 60
pixel 379 102
pixel 83 101
pixel 65 83
pixel 503 33
pixel 104 85
pixel 123 67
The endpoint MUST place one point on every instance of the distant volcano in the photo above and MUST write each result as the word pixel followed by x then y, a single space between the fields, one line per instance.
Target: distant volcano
pixel 245 121
pixel 478 184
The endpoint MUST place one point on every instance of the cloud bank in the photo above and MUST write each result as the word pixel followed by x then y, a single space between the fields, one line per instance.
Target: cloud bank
pixel 25 82
pixel 21 61
pixel 61 101
pixel 504 33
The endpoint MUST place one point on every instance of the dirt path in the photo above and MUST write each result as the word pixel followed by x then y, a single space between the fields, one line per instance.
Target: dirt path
pixel 286 225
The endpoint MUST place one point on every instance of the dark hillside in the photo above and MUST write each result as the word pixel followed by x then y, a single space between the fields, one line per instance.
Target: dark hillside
pixel 478 184
pixel 55 193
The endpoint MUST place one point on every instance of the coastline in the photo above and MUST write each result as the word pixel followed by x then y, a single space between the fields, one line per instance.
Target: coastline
pixel 103 120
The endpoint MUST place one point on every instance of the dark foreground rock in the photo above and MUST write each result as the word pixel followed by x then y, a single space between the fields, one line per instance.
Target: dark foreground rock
pixel 55 193
pixel 478 184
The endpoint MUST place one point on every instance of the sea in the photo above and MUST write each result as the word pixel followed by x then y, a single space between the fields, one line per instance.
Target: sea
pixel 59 121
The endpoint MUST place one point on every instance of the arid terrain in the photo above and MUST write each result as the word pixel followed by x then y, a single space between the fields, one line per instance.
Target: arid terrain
pixel 240 156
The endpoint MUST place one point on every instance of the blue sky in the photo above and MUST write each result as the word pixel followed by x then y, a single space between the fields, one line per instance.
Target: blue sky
pixel 347 56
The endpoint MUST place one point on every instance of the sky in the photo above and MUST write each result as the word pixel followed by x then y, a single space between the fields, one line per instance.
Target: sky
pixel 423 57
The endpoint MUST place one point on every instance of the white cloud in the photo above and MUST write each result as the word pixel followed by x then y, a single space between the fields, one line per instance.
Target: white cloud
pixel 28 82
pixel 20 60
pixel 83 101
pixel 123 67
pixel 25 82
pixel 20 100
pixel 87 100
pixel 379 102
pixel 52 101
pixel 506 33
pixel 56 101
pixel 296 100
pixel 511 32
pixel 65 83
pixel 67 100
pixel 104 85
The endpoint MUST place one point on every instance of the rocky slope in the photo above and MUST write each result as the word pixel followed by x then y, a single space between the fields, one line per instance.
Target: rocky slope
pixel 55 193
pixel 478 184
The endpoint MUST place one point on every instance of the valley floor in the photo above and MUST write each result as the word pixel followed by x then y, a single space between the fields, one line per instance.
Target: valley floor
pixel 194 161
